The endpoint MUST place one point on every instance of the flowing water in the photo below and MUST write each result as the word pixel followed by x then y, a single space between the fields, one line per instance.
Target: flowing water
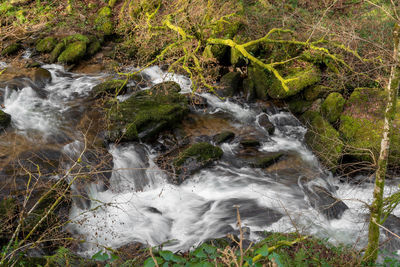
pixel 140 205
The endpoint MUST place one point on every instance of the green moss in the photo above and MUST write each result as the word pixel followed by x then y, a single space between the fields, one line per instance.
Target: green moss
pixel 332 107
pixel 46 45
pixel 11 49
pixel 151 111
pixel 56 52
pixel 298 78
pixel 109 87
pixel 266 161
pixel 76 38
pixel 361 123
pixel 250 143
pixel 318 91
pixel 299 106
pixel 73 53
pixel 230 83
pixel 103 21
pixel 249 89
pixel 5 120
pixel 224 137
pixel 260 79
pixel 323 139
pixel 93 48
pixel 201 152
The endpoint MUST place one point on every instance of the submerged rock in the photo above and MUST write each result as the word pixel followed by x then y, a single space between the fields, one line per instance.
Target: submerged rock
pixel 146 113
pixel 265 123
pixel 223 137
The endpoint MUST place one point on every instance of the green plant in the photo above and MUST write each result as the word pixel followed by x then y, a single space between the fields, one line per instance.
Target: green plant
pixel 105 257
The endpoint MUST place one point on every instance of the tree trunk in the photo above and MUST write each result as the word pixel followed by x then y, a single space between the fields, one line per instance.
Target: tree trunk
pixel 371 253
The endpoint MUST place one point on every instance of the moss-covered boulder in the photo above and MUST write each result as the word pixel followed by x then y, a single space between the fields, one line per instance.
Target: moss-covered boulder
pixel 267 160
pixel 318 91
pixel 195 158
pixel 332 107
pixel 93 48
pixel 361 125
pixel 56 52
pixel 223 137
pixel 230 84
pixel 73 52
pixel 46 45
pixel 297 79
pixel 113 87
pixel 103 22
pixel 146 113
pixel 11 49
pixel 5 120
pixel 323 139
pixel 76 38
pixel 258 82
pixel 299 106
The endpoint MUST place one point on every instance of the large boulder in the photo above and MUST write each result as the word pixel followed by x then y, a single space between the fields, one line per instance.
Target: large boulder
pixel 146 113
pixel 230 84
pixel 361 125
pixel 103 21
pixel 332 107
pixel 323 139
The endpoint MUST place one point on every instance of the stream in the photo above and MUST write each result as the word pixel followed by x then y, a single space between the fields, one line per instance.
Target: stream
pixel 138 204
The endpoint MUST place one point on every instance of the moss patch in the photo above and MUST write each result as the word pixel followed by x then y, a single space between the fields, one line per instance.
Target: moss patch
pixel 56 52
pixel 103 22
pixel 332 107
pixel 11 49
pixel 109 87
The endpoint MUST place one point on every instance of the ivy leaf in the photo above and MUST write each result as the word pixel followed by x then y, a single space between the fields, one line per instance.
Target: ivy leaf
pixel 100 256
pixel 199 253
pixel 150 262
pixel 167 255
pixel 263 251
pixel 276 258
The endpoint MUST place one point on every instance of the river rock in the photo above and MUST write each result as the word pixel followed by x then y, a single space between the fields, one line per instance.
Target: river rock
pixel 73 52
pixel 246 143
pixel 146 113
pixel 11 49
pixel 112 87
pixel 223 137
pixel 266 160
pixel 56 52
pixel 41 77
pixel 195 158
pixel 230 84
pixel 266 124
pixel 332 107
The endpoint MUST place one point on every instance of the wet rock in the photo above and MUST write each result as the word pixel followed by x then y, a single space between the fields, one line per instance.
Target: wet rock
pixel 259 82
pixel 230 84
pixel 266 161
pixel 46 45
pixel 113 87
pixel 321 199
pixel 323 139
pixel 332 107
pixel 197 102
pixel 265 123
pixel 318 91
pixel 103 22
pixel 146 113
pixel 5 120
pixel 249 92
pixel 73 52
pixel 299 106
pixel 11 49
pixel 224 137
pixel 56 52
pixel 195 158
pixel 41 77
pixel 246 143
pixel 93 48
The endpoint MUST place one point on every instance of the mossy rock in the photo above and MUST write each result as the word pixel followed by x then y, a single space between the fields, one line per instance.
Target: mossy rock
pixel 11 49
pixel 332 107
pixel 5 120
pixel 109 87
pixel 298 78
pixel 250 143
pixel 318 91
pixel 319 58
pixel 103 22
pixel 259 81
pixel 266 161
pixel 58 49
pixel 223 137
pixel 249 91
pixel 361 125
pixel 219 52
pixel 73 53
pixel 323 139
pixel 230 84
pixel 46 45
pixel 201 152
pixel 146 113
